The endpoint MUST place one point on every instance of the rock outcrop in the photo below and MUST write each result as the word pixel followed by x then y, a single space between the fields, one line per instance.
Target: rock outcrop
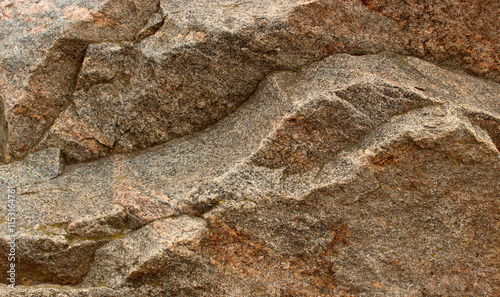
pixel 263 148
pixel 118 76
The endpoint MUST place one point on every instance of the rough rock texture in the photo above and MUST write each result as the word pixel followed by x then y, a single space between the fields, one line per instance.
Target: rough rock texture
pixel 42 48
pixel 260 148
pixel 113 76
pixel 356 175
pixel 146 251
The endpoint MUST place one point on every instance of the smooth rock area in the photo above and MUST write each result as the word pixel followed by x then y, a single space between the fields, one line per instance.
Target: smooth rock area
pixel 261 148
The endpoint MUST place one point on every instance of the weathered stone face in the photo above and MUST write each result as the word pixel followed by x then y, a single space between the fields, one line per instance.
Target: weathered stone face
pixel 354 175
pixel 118 76
pixel 261 148
pixel 42 52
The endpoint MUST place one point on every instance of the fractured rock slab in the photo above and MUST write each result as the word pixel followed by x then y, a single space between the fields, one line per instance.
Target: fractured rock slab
pixel 42 49
pixel 384 212
pixel 146 251
pixel 105 200
pixel 342 99
pixel 43 256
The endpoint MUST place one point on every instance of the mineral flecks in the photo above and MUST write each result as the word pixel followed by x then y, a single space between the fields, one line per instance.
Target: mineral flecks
pixel 109 76
pixel 354 175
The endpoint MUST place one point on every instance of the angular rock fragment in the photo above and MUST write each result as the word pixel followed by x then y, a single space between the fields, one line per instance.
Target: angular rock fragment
pixel 42 49
pixel 46 257
pixel 411 207
pixel 59 227
pixel 487 122
pixel 432 217
pixel 146 251
pixel 337 106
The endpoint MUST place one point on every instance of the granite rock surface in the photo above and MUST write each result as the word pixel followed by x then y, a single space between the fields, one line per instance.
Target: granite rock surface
pixel 261 148
pixel 95 78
